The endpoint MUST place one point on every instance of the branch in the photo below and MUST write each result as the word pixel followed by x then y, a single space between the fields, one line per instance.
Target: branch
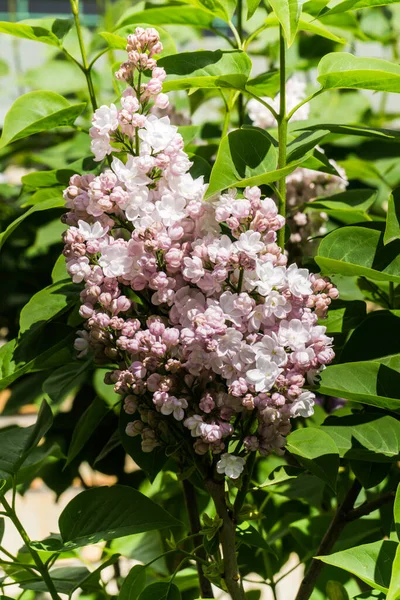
pixel 368 507
pixel 227 535
pixel 336 527
pixel 195 526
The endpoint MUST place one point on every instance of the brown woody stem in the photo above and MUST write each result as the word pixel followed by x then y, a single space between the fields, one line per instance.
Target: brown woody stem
pixel 227 536
pixel 195 526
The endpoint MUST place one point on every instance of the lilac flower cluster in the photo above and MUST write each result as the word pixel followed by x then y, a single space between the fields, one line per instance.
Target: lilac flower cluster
pixel 215 338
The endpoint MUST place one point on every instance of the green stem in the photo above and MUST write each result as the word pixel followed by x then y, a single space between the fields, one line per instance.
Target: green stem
pixel 242 493
pixel 36 558
pixel 300 104
pixel 85 64
pixel 391 294
pixel 282 134
pixel 239 17
pixel 236 35
pixel 261 101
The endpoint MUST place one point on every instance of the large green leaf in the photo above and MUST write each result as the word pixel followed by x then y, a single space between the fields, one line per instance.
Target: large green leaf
pixel 47 31
pixel 358 130
pixel 317 452
pixel 265 84
pixel 344 315
pixel 346 5
pixel 365 436
pixel 161 590
pixel 376 383
pixel 310 24
pixel 45 348
pixel 344 70
pixel 242 154
pixel 16 443
pixel 35 112
pixel 168 15
pixel 65 379
pixel 288 13
pixel 394 585
pixel 57 202
pixel 107 513
pixel 360 251
pixel 392 229
pixel 150 462
pixel 86 427
pixel 206 69
pixel 348 207
pixel 47 304
pixel 371 563
pixel 377 336
pixel 303 143
pixel 133 583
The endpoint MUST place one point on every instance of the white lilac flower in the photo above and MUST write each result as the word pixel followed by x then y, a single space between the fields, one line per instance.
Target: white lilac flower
pixel 294 334
pixel 230 465
pixel 129 174
pixel 264 375
pixel 105 119
pixel 91 232
pixel 115 260
pixel 298 281
pixel 250 243
pixel 303 406
pixel 268 277
pixel 158 133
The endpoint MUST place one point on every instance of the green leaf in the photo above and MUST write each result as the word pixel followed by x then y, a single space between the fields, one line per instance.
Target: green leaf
pixel 265 84
pixel 65 379
pixel 161 590
pixel 365 436
pixel 35 112
pixel 288 13
pixel 344 315
pixel 206 69
pixel 377 336
pixel 168 15
pixel 59 271
pixel 43 349
pixel 48 178
pixel 16 443
pixel 303 143
pixel 106 513
pixel 370 382
pixel 133 584
pixel 252 6
pixel 394 586
pixel 344 70
pixel 280 475
pixel 358 130
pixel 65 579
pixel 336 591
pixel 317 452
pixel 356 5
pixel 360 251
pixel 47 304
pixel 86 427
pixel 242 154
pixel 396 512
pixel 247 534
pixel 47 31
pixel 309 24
pixel 369 474
pixel 372 563
pixel 45 205
pixel 348 207
pixel 392 229
pixel 150 462
pixel 105 390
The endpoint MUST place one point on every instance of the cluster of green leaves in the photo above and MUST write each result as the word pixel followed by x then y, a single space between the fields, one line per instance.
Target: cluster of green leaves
pixel 294 498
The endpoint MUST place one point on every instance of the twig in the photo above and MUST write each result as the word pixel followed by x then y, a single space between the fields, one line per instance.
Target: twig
pixel 336 527
pixel 195 526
